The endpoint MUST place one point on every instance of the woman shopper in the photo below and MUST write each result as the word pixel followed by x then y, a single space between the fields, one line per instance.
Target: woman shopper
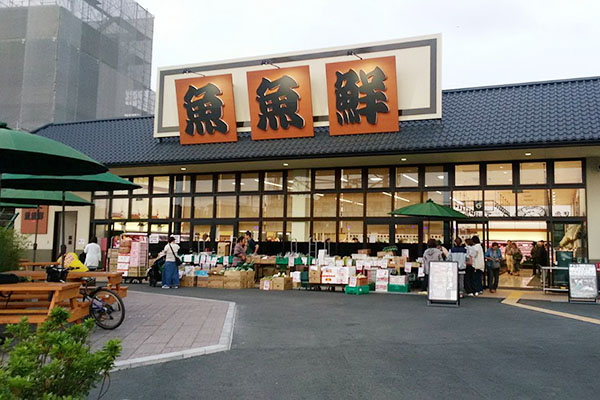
pixel 478 265
pixel 470 272
pixel 170 275
pixel 431 254
pixel 510 262
pixel 458 254
pixel 93 254
pixel 493 257
pixel 517 257
pixel 239 251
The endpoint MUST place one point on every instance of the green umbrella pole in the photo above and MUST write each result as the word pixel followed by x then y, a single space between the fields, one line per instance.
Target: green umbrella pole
pixel 37 221
pixel 63 247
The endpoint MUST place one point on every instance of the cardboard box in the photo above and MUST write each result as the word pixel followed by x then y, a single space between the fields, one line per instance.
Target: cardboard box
pixel 314 274
pixel 250 276
pixel 202 281
pixel 381 287
pixel 234 284
pixel 265 284
pixel 385 253
pixel 283 283
pixel 398 279
pixel 187 281
pixel 364 251
pixel 223 248
pixel 362 281
pixel 216 281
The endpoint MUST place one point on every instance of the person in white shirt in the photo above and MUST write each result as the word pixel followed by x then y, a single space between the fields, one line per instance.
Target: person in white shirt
pixel 93 254
pixel 170 275
pixel 478 264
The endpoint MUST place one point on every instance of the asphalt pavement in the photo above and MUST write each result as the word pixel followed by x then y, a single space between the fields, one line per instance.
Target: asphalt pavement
pixel 323 345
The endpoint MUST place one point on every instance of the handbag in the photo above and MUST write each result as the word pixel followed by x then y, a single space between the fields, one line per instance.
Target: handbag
pixel 178 261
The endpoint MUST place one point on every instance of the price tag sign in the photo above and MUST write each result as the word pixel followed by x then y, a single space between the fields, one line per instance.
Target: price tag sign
pixel 213 262
pixel 290 262
pixel 267 285
pixel 225 261
pixel 352 281
pixel 421 272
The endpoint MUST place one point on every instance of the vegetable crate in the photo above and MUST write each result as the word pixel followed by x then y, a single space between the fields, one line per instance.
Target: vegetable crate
pixel 357 289
pixel 398 288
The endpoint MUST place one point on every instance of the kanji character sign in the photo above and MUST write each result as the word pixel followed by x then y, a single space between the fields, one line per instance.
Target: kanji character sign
pixel 280 103
pixel 206 109
pixel 362 96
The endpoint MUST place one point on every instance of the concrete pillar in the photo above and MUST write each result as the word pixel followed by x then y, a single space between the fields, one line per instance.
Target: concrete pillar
pixel 593 207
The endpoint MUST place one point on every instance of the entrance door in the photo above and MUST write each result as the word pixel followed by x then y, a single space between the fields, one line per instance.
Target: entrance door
pixel 70 232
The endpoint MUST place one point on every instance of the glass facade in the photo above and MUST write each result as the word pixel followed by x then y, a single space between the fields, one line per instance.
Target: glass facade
pixel 345 205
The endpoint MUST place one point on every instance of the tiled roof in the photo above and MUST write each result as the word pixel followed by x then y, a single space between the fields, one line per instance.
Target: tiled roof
pixel 554 113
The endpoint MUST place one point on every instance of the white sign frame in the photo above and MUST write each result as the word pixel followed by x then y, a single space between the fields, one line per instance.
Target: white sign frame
pixel 441 275
pixel 587 275
pixel 418 71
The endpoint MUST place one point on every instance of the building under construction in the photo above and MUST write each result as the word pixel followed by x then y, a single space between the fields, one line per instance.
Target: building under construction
pixel 74 60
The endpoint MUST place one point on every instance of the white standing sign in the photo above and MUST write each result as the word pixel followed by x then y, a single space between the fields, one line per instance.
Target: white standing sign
pixel 443 282
pixel 583 282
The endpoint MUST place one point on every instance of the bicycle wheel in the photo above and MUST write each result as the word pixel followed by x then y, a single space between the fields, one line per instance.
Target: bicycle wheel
pixel 107 308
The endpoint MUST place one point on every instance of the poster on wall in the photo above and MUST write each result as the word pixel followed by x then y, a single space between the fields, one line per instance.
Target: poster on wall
pixel 583 283
pixel 206 109
pixel 362 96
pixel 443 283
pixel 280 103
pixel 30 216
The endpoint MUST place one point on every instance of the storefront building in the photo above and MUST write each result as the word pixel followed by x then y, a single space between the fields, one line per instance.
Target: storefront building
pixel 521 160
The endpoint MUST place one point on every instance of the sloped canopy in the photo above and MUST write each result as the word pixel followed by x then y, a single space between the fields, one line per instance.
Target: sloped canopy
pixel 429 209
pixel 87 183
pixel 26 153
pixel 41 197
pixel 16 205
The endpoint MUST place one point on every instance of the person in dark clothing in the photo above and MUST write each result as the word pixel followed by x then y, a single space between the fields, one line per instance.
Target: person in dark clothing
pixel 540 259
pixel 251 245
pixel 493 258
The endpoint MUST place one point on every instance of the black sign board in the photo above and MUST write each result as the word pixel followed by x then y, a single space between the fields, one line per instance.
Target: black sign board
pixel 443 284
pixel 583 283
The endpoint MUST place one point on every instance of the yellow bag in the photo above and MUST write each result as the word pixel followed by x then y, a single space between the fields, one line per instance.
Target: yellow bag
pixel 72 261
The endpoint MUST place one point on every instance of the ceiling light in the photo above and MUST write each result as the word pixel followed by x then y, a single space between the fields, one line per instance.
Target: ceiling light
pixel 438 192
pixel 528 154
pixel 410 178
pixel 183 168
pixel 241 183
pixel 440 176
pixel 376 179
pixel 286 164
pixel 403 159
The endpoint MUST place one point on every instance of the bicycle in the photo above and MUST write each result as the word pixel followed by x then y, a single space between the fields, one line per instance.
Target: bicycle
pixel 106 307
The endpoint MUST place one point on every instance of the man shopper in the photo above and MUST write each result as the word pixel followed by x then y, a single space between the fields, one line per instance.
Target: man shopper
pixel 493 257
pixel 239 251
pixel 93 254
pixel 170 275
pixel 458 254
pixel 251 245
pixel 431 254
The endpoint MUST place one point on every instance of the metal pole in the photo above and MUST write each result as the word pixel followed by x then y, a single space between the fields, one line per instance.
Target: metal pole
pixel 37 221
pixel 63 247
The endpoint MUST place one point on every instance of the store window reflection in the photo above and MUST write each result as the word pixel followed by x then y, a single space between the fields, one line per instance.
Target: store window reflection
pixel 440 197
pixel 351 231
pixel 181 230
pixel 468 202
pixel 160 207
pixel 298 180
pixel 378 233
pixel 251 226
pixel 568 172
pixel 403 199
pixel 351 179
pixel 500 203
pixel 407 233
pixel 203 207
pixel 160 185
pixel 183 184
pixel 273 180
pixel 249 206
pixel 140 208
pixel 325 204
pixel 407 177
pixel 226 207
pixel 568 202
pixel 298 230
pixel 272 231
pixel 298 205
pixel 226 183
pixel 499 174
pixel 533 173
pixel 101 209
pixel 351 205
pixel 433 230
pixel 249 182
pixel 144 182
pixel 204 184
pixel 379 204
pixel 182 207
pixel 378 178
pixel 436 176
pixel 466 175
pixel 325 179
pixel 324 230
pixel 532 203
pixel 273 206
pixel 120 208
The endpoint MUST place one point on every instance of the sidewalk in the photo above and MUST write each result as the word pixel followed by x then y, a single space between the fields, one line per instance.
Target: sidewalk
pixel 161 327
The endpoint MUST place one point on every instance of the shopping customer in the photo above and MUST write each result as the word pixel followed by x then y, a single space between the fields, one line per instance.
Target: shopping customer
pixel 251 245
pixel 431 254
pixel 170 275
pixel 470 272
pixel 493 258
pixel 239 251
pixel 458 254
pixel 517 257
pixel 478 265
pixel 93 254
pixel 508 253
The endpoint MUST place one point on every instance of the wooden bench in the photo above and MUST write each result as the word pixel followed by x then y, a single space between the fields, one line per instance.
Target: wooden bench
pixel 13 307
pixel 33 265
pixel 114 278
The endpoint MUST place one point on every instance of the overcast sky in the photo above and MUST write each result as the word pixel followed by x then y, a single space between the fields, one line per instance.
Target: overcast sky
pixel 483 42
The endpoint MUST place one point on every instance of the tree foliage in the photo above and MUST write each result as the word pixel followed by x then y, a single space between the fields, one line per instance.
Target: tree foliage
pixel 55 361
pixel 12 248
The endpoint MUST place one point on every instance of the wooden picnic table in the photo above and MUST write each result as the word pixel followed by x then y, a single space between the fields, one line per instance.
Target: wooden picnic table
pixel 33 265
pixel 114 278
pixel 15 303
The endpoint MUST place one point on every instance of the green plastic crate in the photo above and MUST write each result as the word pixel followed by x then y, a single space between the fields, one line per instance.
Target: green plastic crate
pixel 398 288
pixel 357 289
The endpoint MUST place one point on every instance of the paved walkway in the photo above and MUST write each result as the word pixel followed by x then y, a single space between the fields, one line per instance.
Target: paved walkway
pixel 160 327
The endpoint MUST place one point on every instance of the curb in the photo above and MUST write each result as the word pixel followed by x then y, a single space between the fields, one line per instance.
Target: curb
pixel 224 343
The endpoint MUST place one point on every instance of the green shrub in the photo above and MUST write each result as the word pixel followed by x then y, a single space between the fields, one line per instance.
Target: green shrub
pixel 55 361
pixel 12 248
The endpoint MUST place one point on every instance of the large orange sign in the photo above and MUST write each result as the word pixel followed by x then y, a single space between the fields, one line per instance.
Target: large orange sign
pixel 206 109
pixel 280 103
pixel 362 96
pixel 29 217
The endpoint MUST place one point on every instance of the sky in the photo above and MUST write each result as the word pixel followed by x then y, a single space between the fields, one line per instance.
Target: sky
pixel 484 42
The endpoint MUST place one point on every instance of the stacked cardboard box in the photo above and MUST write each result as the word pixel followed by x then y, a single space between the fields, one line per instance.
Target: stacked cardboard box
pixel 314 274
pixel 265 284
pixel 202 281
pixel 235 279
pixel 216 281
pixel 250 276
pixel 281 283
pixel 187 281
pixel 139 254
pixel 113 259
pixel 382 280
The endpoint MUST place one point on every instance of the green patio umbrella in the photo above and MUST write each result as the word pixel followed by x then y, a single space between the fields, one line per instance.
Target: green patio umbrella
pixel 26 153
pixel 16 205
pixel 88 183
pixel 430 209
pixel 80 183
pixel 40 197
